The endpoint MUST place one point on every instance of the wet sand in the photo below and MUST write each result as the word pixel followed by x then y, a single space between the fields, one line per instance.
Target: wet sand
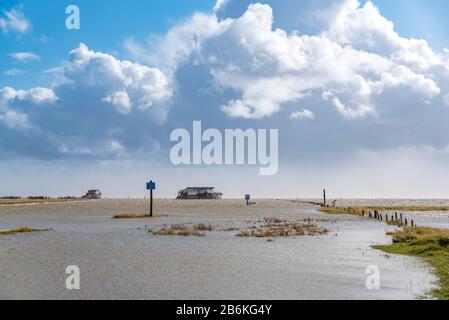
pixel 119 259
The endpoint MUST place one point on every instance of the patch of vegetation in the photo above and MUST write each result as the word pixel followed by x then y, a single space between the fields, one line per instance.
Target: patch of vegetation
pixel 406 208
pixel 335 210
pixel 229 229
pixel 428 243
pixel 21 230
pixel 6 202
pixel 131 216
pixel 203 227
pixel 275 228
pixel 178 230
pixel 395 222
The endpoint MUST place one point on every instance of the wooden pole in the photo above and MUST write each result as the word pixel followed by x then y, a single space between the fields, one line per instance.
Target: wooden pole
pixel 324 197
pixel 151 202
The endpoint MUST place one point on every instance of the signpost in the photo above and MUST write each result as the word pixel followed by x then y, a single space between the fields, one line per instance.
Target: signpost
pixel 151 186
pixel 247 198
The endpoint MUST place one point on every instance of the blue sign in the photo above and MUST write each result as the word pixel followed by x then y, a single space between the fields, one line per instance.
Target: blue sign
pixel 151 185
pixel 247 196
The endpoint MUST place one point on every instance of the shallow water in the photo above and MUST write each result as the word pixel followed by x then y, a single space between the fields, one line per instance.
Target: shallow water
pixel 434 219
pixel 119 259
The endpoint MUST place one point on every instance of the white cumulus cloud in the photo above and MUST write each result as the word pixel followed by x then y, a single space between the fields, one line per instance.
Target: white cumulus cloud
pixel 304 114
pixel 24 56
pixel 359 57
pixel 123 84
pixel 446 99
pixel 119 99
pixel 219 5
pixel 14 72
pixel 14 20
pixel 36 95
pixel 14 119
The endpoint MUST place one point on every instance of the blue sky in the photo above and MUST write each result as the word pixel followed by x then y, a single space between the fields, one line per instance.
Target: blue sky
pixel 355 99
pixel 106 25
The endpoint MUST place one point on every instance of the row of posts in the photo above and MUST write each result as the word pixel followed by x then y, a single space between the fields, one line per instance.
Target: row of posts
pixel 397 218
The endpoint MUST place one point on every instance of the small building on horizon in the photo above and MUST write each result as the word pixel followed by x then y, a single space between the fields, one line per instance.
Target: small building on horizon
pixel 203 193
pixel 92 195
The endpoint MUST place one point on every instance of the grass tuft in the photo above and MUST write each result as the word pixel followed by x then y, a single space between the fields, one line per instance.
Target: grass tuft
pixel 7 202
pixel 21 230
pixel 276 228
pixel 203 227
pixel 428 243
pixel 178 230
pixel 131 216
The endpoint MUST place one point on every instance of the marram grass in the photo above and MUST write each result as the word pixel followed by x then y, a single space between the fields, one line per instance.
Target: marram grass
pixel 428 243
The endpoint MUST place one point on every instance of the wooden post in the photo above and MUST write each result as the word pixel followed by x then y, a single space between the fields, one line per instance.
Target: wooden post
pixel 406 222
pixel 324 197
pixel 151 202
pixel 151 186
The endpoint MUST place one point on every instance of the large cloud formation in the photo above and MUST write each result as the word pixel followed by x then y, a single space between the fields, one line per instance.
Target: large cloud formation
pixel 15 119
pixel 124 84
pixel 99 105
pixel 356 58
pixel 95 102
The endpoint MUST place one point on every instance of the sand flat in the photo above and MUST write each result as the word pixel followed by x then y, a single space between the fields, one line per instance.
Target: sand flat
pixel 120 259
